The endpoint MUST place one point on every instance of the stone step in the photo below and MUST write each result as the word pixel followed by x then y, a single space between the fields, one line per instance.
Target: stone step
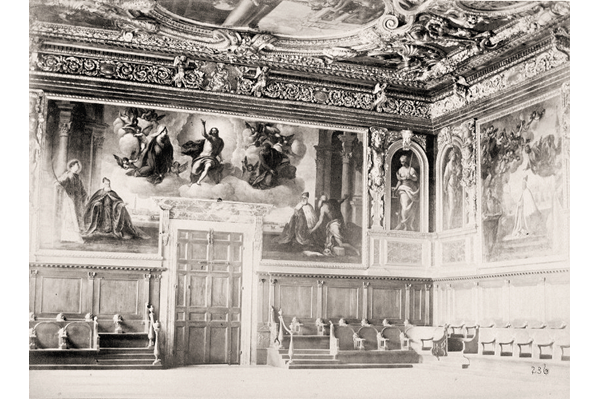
pixel 308 357
pixel 148 356
pixel 312 361
pixel 347 366
pixel 94 366
pixel 120 361
pixel 126 350
pixel 305 351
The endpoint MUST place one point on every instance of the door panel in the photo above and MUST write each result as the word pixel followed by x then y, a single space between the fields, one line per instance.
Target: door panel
pixel 218 345
pixel 196 345
pixel 208 297
pixel 198 290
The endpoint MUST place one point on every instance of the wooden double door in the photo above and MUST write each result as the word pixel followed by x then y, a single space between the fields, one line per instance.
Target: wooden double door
pixel 208 297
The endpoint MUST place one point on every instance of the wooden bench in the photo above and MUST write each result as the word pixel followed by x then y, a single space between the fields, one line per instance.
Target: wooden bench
pixel 63 335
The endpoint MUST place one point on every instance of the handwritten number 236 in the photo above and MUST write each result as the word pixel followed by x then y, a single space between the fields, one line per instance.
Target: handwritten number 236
pixel 539 370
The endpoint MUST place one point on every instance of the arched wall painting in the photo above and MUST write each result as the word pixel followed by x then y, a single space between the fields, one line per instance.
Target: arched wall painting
pixel 452 190
pixel 103 164
pixel 523 173
pixel 405 195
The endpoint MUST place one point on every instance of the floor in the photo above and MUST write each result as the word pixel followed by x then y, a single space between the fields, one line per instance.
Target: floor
pixel 268 382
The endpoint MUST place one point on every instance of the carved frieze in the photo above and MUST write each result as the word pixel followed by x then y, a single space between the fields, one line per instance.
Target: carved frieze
pixel 221 77
pixel 513 76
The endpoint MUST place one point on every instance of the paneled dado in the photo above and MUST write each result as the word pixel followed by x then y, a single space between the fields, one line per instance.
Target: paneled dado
pixel 502 299
pixel 331 297
pixel 76 291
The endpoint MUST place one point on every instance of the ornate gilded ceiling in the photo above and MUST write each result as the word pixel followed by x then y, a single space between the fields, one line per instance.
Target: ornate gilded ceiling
pixel 421 45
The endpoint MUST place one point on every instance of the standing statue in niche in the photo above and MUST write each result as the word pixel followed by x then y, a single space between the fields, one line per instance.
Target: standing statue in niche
pixel 451 187
pixel 408 192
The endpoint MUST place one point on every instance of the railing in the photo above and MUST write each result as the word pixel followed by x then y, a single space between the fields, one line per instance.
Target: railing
pixel 281 328
pixel 334 343
pixel 153 334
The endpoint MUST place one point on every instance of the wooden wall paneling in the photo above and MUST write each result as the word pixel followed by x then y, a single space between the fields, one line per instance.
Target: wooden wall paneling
pixel 118 296
pixel 89 298
pixel 262 311
pixel 462 306
pixel 320 299
pixel 557 299
pixel 297 299
pixel 365 300
pixel 407 303
pixel 33 273
pixel 343 302
pixel 491 299
pixel 61 294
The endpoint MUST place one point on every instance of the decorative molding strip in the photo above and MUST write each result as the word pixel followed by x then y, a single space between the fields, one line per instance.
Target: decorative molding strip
pixel 511 77
pixel 102 267
pixel 508 110
pixel 160 73
pixel 91 254
pixel 419 236
pixel 500 275
pixel 166 107
pixel 331 276
pixel 314 264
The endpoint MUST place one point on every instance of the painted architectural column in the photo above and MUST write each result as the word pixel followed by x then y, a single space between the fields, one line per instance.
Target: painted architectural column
pixel 365 306
pixel 320 299
pixel 323 172
pixel 407 290
pixel 64 130
pixel 347 173
pixel 96 131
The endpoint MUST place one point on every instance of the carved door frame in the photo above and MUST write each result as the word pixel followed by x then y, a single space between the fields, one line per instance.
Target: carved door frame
pixel 250 259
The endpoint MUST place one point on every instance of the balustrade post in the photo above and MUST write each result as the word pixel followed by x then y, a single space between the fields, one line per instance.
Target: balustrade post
pixel 153 335
pixel 150 324
pixel 156 327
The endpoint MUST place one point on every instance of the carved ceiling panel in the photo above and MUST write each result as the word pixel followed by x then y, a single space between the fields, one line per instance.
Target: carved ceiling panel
pixel 407 43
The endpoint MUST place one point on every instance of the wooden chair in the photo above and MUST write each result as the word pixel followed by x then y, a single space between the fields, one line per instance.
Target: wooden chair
pixel 562 342
pixel 543 340
pixel 524 344
pixel 505 339
pixel 487 341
